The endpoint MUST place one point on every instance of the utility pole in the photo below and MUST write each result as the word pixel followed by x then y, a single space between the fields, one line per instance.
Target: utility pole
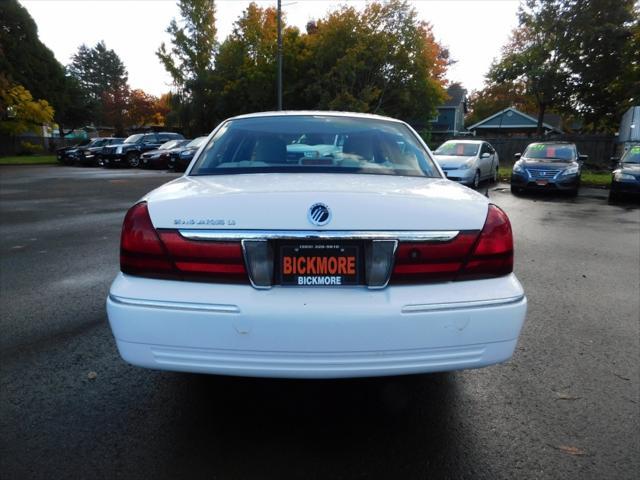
pixel 279 54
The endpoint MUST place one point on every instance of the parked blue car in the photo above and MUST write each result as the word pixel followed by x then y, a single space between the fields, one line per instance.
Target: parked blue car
pixel 551 166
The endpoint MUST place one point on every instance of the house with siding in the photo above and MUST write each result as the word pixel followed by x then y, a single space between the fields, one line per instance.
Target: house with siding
pixel 513 122
pixel 449 121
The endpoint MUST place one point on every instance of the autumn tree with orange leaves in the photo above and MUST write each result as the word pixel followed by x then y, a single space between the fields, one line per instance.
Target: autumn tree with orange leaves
pixel 381 59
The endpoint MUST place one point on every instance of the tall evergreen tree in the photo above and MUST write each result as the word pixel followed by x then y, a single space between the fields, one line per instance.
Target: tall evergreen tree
pixel 101 73
pixel 190 61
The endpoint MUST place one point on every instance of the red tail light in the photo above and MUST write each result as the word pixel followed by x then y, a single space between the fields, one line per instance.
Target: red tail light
pixel 427 262
pixel 470 255
pixel 166 254
pixel 221 261
pixel 493 254
pixel 141 251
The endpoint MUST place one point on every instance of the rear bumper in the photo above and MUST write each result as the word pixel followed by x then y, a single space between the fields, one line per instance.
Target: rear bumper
pixel 315 332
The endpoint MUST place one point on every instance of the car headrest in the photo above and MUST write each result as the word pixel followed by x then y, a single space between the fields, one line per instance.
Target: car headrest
pixel 270 150
pixel 359 144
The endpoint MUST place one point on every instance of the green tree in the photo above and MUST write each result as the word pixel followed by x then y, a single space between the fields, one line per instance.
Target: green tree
pixel 74 108
pixel 142 108
pixel 603 55
pixel 533 57
pixel 576 56
pixel 245 72
pixel 101 73
pixel 381 60
pixel 190 62
pixel 115 105
pixel 25 60
pixel 19 112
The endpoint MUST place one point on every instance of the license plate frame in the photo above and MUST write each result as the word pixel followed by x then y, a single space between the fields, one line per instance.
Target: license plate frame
pixel 542 183
pixel 315 271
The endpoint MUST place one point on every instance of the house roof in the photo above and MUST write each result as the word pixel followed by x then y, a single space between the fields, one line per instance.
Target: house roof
pixel 553 119
pixel 511 119
pixel 456 94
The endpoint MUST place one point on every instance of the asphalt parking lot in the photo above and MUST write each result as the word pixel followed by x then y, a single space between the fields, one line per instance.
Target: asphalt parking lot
pixel 566 405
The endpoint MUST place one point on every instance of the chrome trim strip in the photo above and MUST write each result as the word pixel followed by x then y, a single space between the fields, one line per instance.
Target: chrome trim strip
pixel 400 235
pixel 435 307
pixel 194 307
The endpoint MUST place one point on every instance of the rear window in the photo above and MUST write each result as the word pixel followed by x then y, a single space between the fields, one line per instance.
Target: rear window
pixel 170 144
pixel 196 142
pixel 458 149
pixel 314 143
pixel 551 151
pixel 632 155
pixel 133 138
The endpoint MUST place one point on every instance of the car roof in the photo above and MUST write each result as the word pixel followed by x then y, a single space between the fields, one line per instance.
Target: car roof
pixel 551 142
pixel 329 113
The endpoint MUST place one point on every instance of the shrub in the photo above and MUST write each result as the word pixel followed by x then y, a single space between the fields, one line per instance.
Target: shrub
pixel 28 148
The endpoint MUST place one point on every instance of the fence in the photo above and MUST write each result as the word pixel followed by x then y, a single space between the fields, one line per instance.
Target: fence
pixel 33 144
pixel 599 148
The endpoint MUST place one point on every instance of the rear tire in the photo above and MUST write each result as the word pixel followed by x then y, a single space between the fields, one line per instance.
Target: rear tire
pixel 133 159
pixel 495 176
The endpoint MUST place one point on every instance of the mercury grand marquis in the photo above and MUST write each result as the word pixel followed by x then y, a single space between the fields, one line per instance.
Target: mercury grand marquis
pixel 357 260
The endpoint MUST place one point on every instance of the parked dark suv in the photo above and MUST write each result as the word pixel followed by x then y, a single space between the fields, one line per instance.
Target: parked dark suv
pixel 555 166
pixel 128 152
pixel 90 154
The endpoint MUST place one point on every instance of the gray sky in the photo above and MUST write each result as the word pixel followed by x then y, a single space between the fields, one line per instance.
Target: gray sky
pixel 474 30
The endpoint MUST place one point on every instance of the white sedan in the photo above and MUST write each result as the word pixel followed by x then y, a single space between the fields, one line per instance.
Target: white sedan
pixel 468 161
pixel 367 262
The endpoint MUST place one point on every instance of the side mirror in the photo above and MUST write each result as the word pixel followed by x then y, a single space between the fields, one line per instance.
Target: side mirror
pixel 614 161
pixel 517 156
pixel 485 155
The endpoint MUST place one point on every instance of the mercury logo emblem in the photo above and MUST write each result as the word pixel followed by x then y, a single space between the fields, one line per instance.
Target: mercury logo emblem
pixel 319 214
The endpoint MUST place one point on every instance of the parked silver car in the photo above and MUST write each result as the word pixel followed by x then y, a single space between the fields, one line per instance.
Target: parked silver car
pixel 468 161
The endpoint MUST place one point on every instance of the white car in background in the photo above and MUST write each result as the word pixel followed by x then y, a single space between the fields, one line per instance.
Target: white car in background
pixel 468 161
pixel 255 264
pixel 309 149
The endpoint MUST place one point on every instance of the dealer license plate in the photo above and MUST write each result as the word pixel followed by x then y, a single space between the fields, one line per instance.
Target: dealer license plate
pixel 542 183
pixel 319 264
